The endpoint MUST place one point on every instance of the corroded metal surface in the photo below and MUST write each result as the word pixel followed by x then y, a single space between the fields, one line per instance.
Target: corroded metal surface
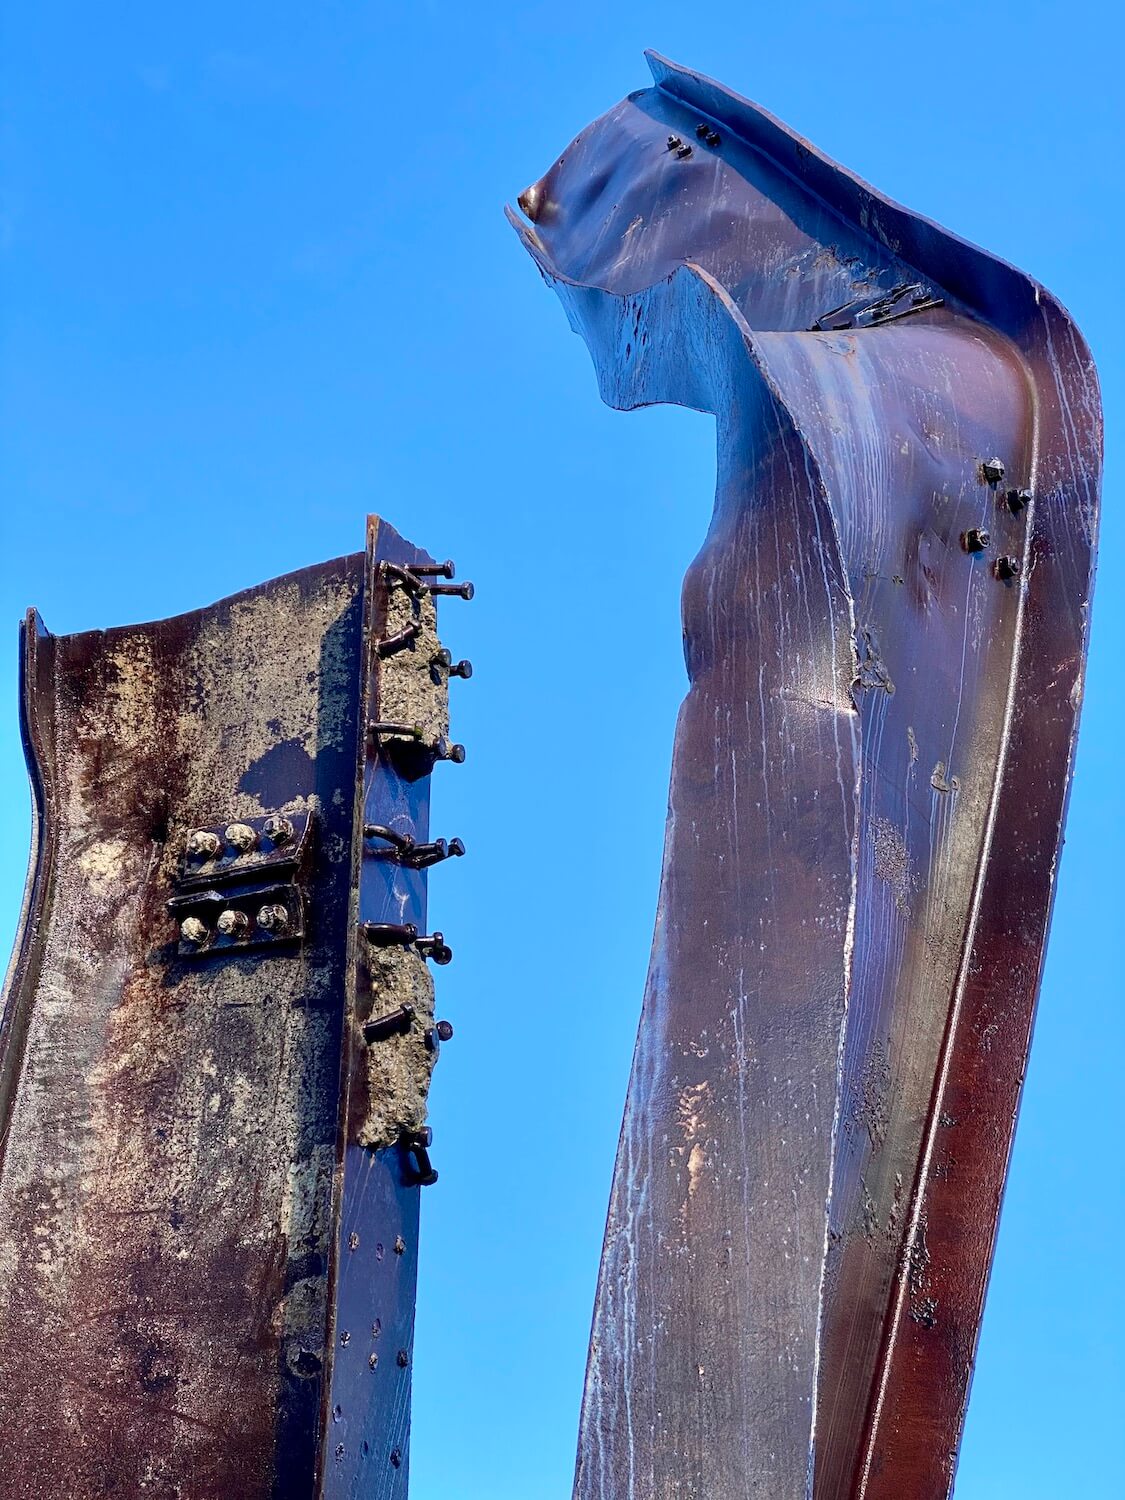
pixel 179 1153
pixel 885 635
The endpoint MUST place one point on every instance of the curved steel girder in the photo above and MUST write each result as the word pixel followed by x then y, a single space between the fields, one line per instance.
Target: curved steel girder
pixel 885 639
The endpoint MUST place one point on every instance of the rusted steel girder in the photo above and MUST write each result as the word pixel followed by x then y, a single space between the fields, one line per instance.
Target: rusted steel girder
pixel 885 632
pixel 217 1040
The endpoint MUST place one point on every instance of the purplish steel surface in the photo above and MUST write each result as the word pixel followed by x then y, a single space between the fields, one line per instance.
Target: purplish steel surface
pixel 885 633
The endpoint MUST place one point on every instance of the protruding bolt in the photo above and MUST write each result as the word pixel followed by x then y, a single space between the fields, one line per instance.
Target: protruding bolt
pixel 444 660
pixel 193 931
pixel 713 138
pixel 242 837
pixel 417 1143
pixel 1006 568
pixel 454 590
pixel 278 830
pixel 233 923
pixel 203 844
pixel 393 573
pixel 394 1023
pixel 273 917
pixel 353 1241
pixel 440 1031
pixel 702 128
pixel 423 855
pixel 390 934
pixel 392 643
pixel 993 470
pixel 1018 500
pixel 674 143
pixel 434 570
pixel 446 751
pixel 389 728
pixel 396 1458
pixel 434 947
pixel 684 152
pixel 402 1359
pixel 975 540
pixel 372 1361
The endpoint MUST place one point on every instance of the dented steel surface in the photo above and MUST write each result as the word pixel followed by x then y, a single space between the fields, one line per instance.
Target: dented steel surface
pixel 885 634
pixel 185 1145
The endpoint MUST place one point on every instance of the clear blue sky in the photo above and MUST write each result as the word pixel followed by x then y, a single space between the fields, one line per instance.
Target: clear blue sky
pixel 257 282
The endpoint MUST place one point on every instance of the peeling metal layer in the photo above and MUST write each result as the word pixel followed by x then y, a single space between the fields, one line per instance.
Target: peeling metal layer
pixel 177 1164
pixel 868 787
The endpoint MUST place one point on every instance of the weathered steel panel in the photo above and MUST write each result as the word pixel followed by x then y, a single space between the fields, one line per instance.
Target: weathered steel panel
pixel 187 999
pixel 885 635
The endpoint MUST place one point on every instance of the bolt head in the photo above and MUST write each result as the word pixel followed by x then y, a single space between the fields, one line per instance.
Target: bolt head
pixel 273 918
pixel 463 669
pixel 232 923
pixel 444 1031
pixel 242 837
pixel 278 830
pixel 1018 500
pixel 193 931
pixel 1007 567
pixel 993 470
pixel 456 753
pixel 975 540
pixel 203 844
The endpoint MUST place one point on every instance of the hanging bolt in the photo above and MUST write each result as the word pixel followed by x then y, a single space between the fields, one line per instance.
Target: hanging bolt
pixel 193 931
pixel 390 934
pixel 394 1023
pixel 456 590
pixel 242 837
pixel 993 470
pixel 1017 500
pixel 401 843
pixel 434 947
pixel 417 1145
pixel 202 844
pixel 278 830
pixel 233 923
pixel 444 659
pixel 434 570
pixel 392 643
pixel 423 855
pixel 393 573
pixel 1006 567
pixel 273 918
pixel 975 540
pixel 440 1032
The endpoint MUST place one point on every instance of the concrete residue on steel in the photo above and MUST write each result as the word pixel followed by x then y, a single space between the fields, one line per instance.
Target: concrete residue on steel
pixel 847 949
pixel 200 1157
pixel 399 1066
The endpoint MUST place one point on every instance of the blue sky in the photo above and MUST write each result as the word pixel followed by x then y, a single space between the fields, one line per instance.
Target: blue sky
pixel 257 282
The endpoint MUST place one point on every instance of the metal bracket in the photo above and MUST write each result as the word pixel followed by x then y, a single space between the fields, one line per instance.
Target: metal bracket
pixel 228 897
